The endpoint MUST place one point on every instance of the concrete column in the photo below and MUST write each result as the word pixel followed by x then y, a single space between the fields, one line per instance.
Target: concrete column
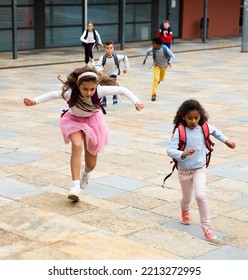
pixel 14 30
pixel 244 43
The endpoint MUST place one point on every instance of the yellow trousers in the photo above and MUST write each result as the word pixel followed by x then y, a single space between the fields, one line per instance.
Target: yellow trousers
pixel 158 76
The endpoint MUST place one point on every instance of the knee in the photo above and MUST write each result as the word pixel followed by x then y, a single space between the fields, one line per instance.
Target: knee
pixel 77 147
pixel 200 198
pixel 90 166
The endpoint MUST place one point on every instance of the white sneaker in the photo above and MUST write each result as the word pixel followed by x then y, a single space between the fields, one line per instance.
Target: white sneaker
pixel 84 181
pixel 74 193
pixel 93 62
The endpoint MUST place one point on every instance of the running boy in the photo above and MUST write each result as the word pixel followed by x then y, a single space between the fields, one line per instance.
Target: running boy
pixel 165 33
pixel 162 58
pixel 109 65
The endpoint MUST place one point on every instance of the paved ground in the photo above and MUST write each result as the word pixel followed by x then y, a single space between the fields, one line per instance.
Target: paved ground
pixel 124 213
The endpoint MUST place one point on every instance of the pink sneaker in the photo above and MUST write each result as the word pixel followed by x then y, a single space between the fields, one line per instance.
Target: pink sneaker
pixel 209 235
pixel 185 219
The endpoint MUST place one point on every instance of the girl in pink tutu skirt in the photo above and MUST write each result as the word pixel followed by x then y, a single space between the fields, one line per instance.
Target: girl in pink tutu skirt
pixel 83 124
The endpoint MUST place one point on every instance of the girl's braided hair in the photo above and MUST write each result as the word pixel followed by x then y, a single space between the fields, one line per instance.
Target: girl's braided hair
pixel 189 105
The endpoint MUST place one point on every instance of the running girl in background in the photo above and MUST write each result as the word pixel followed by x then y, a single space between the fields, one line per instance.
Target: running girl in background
pixel 90 39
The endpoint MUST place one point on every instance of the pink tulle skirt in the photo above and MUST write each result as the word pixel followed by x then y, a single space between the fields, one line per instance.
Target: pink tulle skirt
pixel 94 128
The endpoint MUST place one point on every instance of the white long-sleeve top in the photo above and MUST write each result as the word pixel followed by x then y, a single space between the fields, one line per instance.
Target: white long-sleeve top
pixel 101 91
pixel 110 67
pixel 195 139
pixel 90 38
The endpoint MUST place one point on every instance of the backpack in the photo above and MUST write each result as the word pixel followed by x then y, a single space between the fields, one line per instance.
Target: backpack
pixel 182 145
pixel 95 37
pixel 95 100
pixel 115 59
pixel 165 53
pixel 161 27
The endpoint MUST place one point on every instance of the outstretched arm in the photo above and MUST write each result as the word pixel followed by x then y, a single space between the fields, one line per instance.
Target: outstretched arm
pixel 147 54
pixel 139 106
pixel 118 90
pixel 29 102
pixel 230 144
pixel 45 97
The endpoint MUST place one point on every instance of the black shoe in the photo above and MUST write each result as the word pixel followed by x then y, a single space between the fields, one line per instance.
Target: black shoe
pixel 115 99
pixel 104 102
pixel 153 97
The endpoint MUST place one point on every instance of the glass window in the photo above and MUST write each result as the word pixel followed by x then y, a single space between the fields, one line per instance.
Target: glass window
pixel 109 32
pixel 138 1
pixel 103 14
pixel 25 2
pixel 5 18
pixel 67 2
pixel 138 32
pixel 63 36
pixel 25 39
pixel 6 2
pixel 138 13
pixel 101 2
pixel 25 17
pixel 6 40
pixel 63 15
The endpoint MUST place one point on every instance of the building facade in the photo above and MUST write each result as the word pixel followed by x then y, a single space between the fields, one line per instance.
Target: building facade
pixel 42 24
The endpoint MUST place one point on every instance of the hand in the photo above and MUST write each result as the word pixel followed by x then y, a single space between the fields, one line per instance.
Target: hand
pixel 144 62
pixel 230 144
pixel 125 71
pixel 29 102
pixel 139 105
pixel 189 152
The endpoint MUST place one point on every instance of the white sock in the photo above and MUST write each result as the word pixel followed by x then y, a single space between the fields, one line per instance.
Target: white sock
pixel 75 183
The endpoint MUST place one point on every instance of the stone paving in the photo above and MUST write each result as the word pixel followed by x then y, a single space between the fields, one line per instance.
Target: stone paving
pixel 124 213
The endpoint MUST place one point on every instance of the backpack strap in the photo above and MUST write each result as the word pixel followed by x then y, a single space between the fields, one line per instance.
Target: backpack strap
pixel 104 58
pixel 166 55
pixel 71 102
pixel 153 53
pixel 172 170
pixel 94 34
pixel 95 38
pixel 117 63
pixel 182 137
pixel 181 147
pixel 95 100
pixel 86 34
pixel 208 142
